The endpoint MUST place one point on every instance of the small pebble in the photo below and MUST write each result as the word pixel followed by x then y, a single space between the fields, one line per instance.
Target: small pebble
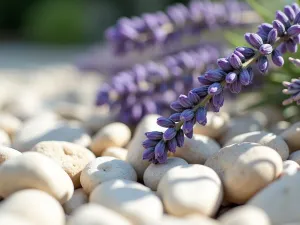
pixel 112 135
pixel 245 169
pixel 291 136
pixel 72 111
pixel 7 153
pixel 78 199
pixel 4 139
pixel 103 169
pixel 295 156
pixel 35 170
pixel 117 152
pixel 9 123
pixel 11 219
pixel 71 157
pixel 197 149
pixel 279 127
pixel 94 214
pixel 290 168
pixel 191 189
pixel 155 172
pixel 131 199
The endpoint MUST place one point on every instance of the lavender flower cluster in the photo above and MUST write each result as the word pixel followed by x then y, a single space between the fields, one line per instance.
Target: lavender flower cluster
pixel 159 28
pixel 234 72
pixel 150 87
pixel 293 87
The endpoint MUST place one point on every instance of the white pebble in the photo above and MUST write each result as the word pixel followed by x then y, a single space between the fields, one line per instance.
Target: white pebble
pixel 117 152
pixel 291 136
pixel 78 199
pixel 7 153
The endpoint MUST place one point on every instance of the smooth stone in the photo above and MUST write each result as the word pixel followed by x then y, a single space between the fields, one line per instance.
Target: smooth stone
pixel 191 189
pixel 295 156
pixel 131 199
pixel 245 169
pixel 112 135
pixel 11 219
pixel 117 152
pixel 245 215
pixel 71 157
pixel 279 127
pixel 135 149
pixel 215 127
pixel 104 169
pixel 10 124
pixel 155 172
pixel 94 214
pixel 290 168
pixel 33 170
pixel 4 139
pixel 263 138
pixel 197 149
pixel 78 199
pixel 280 200
pixel 291 136
pixel 34 206
pixel 7 154
pixel 48 128
pixel 194 220
pixel 72 111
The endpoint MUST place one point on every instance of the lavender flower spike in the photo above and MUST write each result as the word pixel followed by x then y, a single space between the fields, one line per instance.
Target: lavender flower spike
pixel 233 79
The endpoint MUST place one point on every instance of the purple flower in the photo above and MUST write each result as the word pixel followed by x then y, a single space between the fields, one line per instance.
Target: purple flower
pixel 169 134
pixel 292 88
pixel 165 122
pixel 266 49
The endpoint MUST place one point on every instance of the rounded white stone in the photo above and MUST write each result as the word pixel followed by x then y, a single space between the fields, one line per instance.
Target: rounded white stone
pixel 103 169
pixel 78 199
pixel 4 139
pixel 291 136
pixel 131 199
pixel 9 123
pixel 7 153
pixel 117 152
pixel 290 168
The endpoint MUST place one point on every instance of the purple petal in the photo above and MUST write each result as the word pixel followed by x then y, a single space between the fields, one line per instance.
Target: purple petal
pixel 176 106
pixel 187 115
pixel 165 122
pixel 231 77
pixel 159 149
pixel 148 154
pixel 279 27
pixel 169 134
pixel 283 18
pixel 201 115
pixel 235 61
pixel 224 64
pixel 175 117
pixel 266 49
pixel 215 88
pixel 215 75
pixel 247 52
pixel 193 97
pixel 290 13
pixel 266 27
pixel 254 40
pixel 188 126
pixel 293 30
pixel 291 46
pixel 273 35
pixel 201 91
pixel 154 135
pixel 149 143
pixel 277 58
pixel 189 134
pixel 204 81
pixel 263 64
pixel 171 145
pixel 180 138
pixel 235 87
pixel 184 101
pixel 244 77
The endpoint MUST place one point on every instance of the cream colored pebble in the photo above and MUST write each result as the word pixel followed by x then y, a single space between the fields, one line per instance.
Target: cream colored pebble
pixel 7 153
pixel 191 189
pixel 280 200
pixel 245 215
pixel 279 127
pixel 35 170
pixel 9 123
pixel 71 157
pixel 290 168
pixel 197 149
pixel 11 219
pixel 155 172
pixel 291 136
pixel 78 199
pixel 94 214
pixel 215 127
pixel 131 199
pixel 34 206
pixel 245 169
pixel 295 156
pixel 135 149
pixel 117 152
pixel 263 138
pixel 4 139
pixel 112 135
pixel 103 169
pixel 190 220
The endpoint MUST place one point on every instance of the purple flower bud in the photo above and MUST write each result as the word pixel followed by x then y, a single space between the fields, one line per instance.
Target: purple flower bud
pixel 235 87
pixel 215 89
pixel 224 64
pixel 282 48
pixel 127 31
pixel 247 52
pixel 148 154
pixel 263 64
pixel 201 91
pixel 266 49
pixel 176 106
pixel 296 62
pixel 244 77
pixel 149 143
pixel 187 126
pixel 184 101
pixel 251 74
pixel 283 18
pixel 162 159
pixel 180 138
pixel 297 18
pixel 169 134
pixel 187 115
pixel 154 135
pixel 172 144
pixel 296 8
pixel 290 13
pixel 254 40
pixel 279 27
pixel 218 100
pixel 215 75
pixel 160 148
pixel 240 55
pixel 201 115
pixel 231 77
pixel 164 122
pixel 204 81
pixel 189 134
pixel 277 58
pixel 293 30
pixel 263 35
pixel 273 35
pixel 235 61
pixel 193 97
pixel 291 46
pixel 175 117
pixel 296 39
pixel 266 27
